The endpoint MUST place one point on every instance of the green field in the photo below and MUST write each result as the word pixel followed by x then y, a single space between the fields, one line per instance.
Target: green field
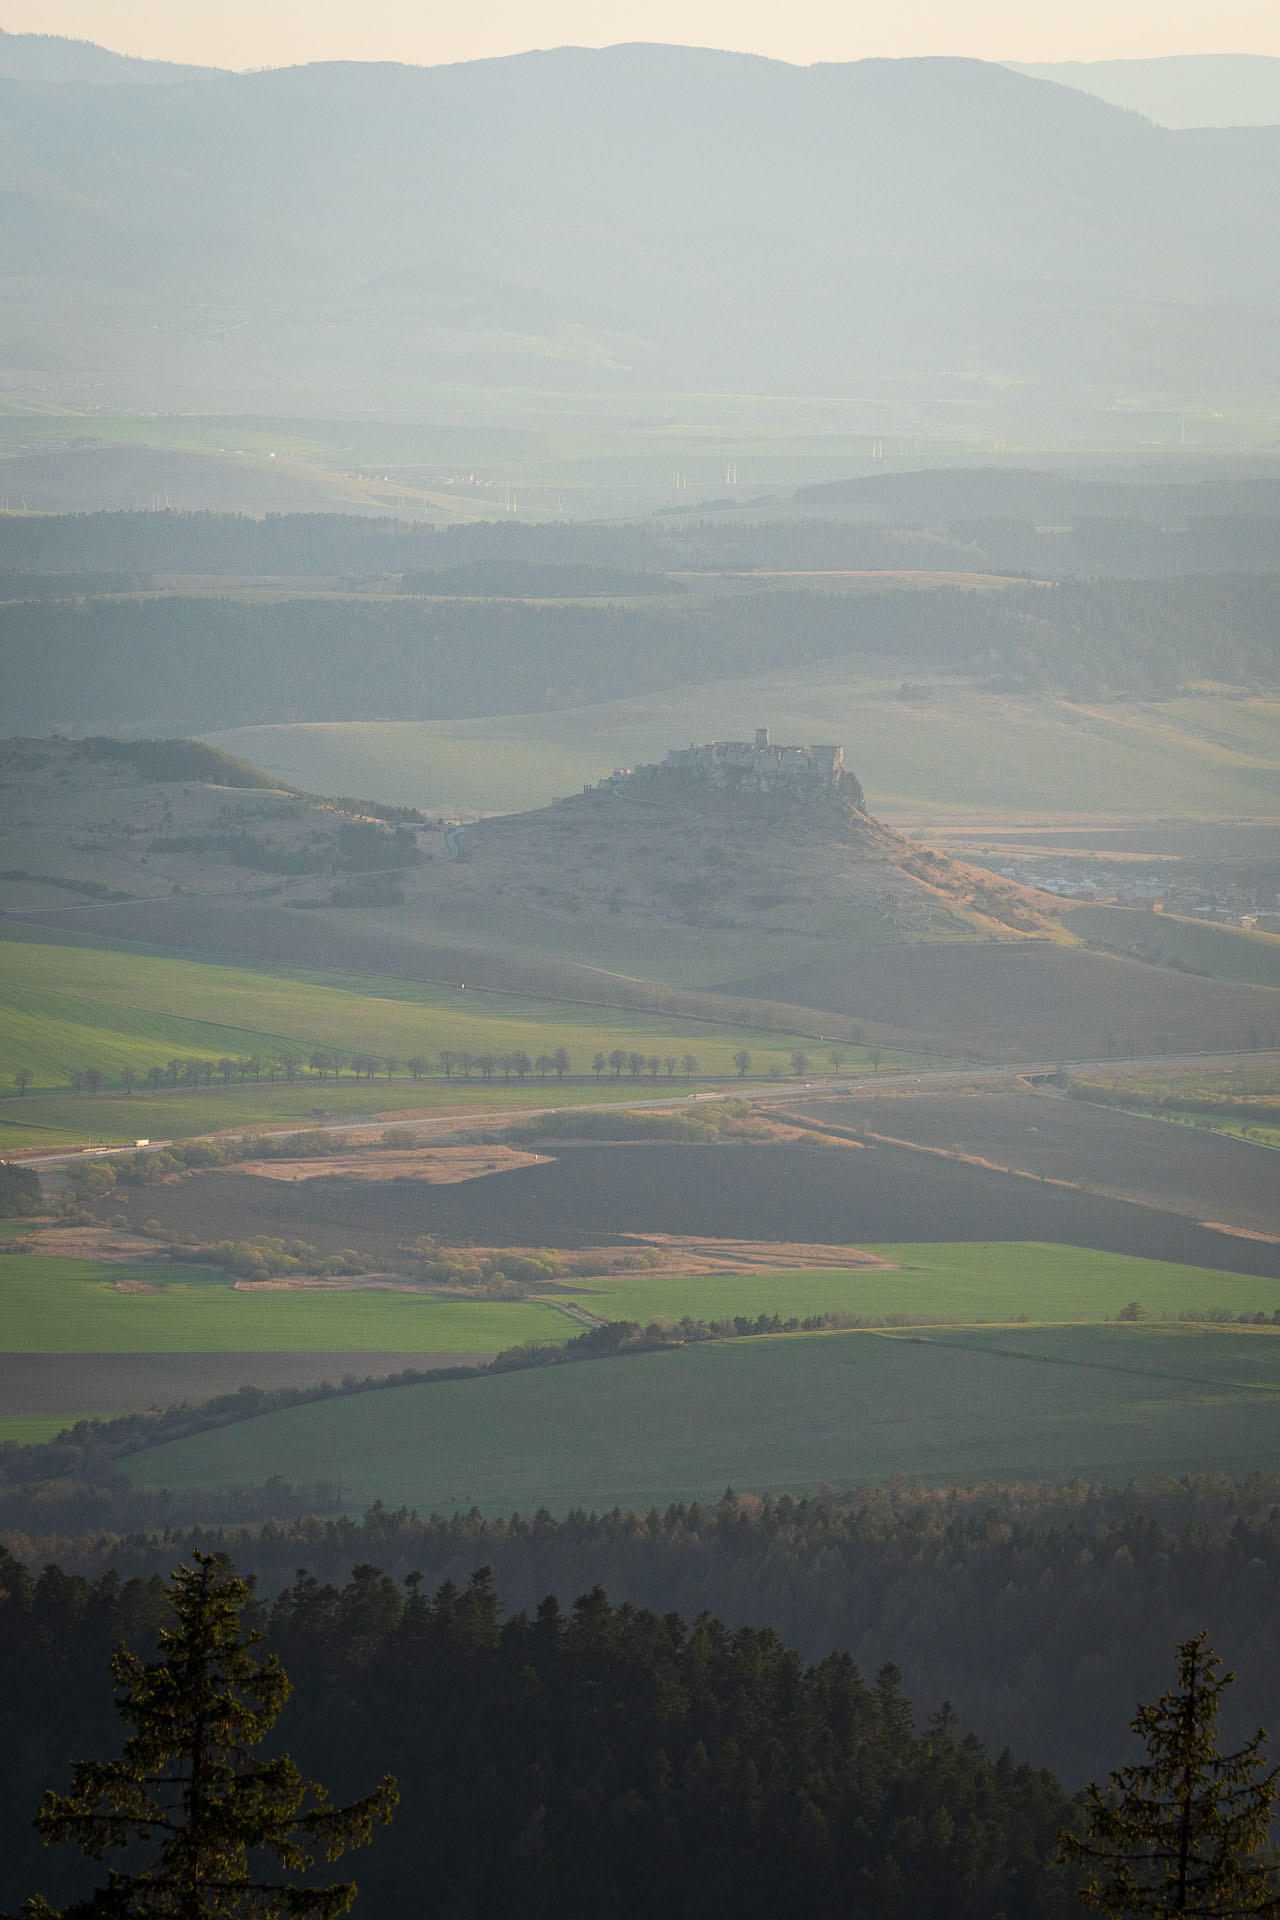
pixel 25 1430
pixel 965 1281
pixel 961 752
pixel 53 1305
pixel 64 1008
pixel 49 1305
pixel 773 1415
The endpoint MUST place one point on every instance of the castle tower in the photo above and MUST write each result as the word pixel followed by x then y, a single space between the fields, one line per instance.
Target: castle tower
pixel 762 739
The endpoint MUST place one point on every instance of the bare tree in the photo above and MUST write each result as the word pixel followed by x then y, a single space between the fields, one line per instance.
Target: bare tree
pixel 689 1061
pixel 22 1079
pixel 742 1061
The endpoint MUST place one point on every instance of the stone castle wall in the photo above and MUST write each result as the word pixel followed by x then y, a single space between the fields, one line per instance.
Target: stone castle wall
pixel 751 766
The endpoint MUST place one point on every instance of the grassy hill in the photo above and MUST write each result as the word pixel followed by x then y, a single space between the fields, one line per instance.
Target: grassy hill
pixel 766 915
pixel 959 754
pixel 771 1415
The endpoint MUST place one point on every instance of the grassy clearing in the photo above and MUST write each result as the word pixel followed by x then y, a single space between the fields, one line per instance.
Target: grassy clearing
pixel 51 1305
pixel 990 1281
pixel 773 1415
pixel 961 752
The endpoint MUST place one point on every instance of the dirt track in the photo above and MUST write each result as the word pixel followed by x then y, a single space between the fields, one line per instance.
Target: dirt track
pixel 440 1166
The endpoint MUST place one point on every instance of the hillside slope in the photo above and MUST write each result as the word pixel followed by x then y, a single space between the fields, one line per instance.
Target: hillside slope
pixel 809 915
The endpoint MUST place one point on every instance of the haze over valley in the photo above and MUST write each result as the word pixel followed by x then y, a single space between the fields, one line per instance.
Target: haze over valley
pixel 640 952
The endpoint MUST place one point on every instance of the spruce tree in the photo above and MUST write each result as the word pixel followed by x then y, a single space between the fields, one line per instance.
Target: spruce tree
pixel 202 1815
pixel 1185 1832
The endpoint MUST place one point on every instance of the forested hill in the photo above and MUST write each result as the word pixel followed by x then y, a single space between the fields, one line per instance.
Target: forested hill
pixel 1043 1613
pixel 970 520
pixel 174 665
pixel 597 1760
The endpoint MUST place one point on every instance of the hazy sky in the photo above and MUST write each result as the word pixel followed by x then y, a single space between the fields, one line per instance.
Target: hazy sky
pixel 256 33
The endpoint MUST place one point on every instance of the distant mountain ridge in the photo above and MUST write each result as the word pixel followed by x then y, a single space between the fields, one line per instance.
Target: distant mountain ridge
pixel 1178 90
pixel 636 218
pixel 50 59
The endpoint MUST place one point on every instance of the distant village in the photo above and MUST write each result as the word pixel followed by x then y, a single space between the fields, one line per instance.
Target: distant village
pixel 748 766
pixel 1224 901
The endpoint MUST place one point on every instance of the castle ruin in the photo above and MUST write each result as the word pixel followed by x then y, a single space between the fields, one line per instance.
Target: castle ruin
pixel 746 766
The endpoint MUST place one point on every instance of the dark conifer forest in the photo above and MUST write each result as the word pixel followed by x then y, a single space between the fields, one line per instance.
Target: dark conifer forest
pixel 1041 1613
pixel 566 1763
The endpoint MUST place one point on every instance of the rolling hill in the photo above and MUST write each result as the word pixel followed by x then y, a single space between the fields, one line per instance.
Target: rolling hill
pixel 631 219
pixel 766 910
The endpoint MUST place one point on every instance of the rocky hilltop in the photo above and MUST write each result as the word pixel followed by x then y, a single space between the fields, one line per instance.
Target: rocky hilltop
pixel 743 767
